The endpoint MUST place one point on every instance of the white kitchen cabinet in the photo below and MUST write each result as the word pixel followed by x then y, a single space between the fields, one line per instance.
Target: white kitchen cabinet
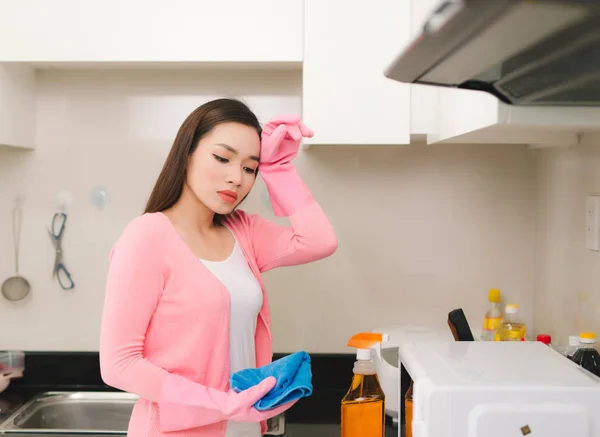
pixel 466 116
pixel 17 106
pixel 81 31
pixel 347 46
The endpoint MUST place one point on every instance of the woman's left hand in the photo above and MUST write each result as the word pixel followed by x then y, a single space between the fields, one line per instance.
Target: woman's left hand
pixel 281 139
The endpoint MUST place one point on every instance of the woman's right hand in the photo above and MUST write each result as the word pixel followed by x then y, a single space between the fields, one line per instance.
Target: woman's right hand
pixel 186 406
pixel 240 405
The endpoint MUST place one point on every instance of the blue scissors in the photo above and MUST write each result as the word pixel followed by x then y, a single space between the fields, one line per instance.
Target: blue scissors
pixel 56 233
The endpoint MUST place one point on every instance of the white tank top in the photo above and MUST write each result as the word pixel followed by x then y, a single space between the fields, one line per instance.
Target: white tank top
pixel 245 303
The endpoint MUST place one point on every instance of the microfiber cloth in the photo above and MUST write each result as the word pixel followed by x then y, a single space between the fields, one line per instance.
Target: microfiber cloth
pixel 294 380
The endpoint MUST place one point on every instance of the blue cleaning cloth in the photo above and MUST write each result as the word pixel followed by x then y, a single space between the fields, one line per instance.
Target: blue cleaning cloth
pixel 294 380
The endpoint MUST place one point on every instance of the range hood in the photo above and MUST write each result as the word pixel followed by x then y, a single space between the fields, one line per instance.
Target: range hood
pixel 526 53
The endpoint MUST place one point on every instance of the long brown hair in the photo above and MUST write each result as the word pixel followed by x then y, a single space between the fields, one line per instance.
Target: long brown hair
pixel 200 122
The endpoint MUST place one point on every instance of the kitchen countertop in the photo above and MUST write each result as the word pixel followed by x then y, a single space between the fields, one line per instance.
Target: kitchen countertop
pixel 80 371
pixel 10 402
pixel 324 430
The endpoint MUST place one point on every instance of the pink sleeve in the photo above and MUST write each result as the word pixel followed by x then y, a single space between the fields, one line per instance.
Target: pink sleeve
pixel 309 237
pixel 133 289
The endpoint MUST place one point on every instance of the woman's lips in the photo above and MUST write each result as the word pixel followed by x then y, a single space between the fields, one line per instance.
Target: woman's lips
pixel 227 196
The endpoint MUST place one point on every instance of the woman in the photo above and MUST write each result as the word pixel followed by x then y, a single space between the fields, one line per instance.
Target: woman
pixel 185 303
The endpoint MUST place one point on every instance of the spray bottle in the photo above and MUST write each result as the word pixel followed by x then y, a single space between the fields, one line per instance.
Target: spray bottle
pixel 363 406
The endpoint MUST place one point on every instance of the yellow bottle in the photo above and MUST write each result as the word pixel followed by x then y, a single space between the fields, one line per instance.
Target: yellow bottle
pixel 363 406
pixel 511 328
pixel 493 316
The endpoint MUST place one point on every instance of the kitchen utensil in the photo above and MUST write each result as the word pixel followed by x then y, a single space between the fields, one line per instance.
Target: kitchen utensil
pixel 459 326
pixel 16 287
pixel 56 234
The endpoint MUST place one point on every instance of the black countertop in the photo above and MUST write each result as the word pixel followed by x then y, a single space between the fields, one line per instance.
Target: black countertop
pixel 11 401
pixel 315 416
pixel 325 430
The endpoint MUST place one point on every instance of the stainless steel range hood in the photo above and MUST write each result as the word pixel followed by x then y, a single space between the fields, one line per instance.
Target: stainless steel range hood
pixel 527 53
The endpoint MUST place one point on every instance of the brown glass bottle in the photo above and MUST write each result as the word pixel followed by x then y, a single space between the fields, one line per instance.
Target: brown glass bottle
pixel 363 406
pixel 408 411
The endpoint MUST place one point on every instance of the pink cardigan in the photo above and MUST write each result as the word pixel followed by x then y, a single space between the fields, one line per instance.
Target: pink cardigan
pixel 165 312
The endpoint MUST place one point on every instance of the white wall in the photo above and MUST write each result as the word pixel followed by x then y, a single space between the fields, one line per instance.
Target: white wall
pixel 567 298
pixel 422 229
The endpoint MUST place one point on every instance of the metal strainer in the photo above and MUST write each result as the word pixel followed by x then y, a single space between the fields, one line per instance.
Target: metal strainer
pixel 16 287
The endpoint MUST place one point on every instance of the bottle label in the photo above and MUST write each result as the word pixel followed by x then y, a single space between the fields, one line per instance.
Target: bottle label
pixel 491 323
pixel 363 419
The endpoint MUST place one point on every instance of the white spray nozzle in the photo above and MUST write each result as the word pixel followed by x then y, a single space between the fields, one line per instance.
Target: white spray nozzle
pixel 363 354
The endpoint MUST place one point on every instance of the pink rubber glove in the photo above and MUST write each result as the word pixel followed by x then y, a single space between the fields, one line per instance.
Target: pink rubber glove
pixel 185 406
pixel 280 143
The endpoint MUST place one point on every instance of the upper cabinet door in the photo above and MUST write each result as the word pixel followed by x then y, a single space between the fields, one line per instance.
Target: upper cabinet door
pixel 151 31
pixel 347 46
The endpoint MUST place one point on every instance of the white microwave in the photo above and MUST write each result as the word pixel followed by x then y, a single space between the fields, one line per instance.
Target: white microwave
pixel 495 389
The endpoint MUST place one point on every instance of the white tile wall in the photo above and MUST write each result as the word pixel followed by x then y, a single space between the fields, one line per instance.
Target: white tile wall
pixel 567 297
pixel 422 229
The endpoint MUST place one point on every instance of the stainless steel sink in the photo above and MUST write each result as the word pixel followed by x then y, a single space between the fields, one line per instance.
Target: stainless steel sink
pixel 104 413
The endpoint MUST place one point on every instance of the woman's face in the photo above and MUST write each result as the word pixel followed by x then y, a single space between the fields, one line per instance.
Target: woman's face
pixel 222 169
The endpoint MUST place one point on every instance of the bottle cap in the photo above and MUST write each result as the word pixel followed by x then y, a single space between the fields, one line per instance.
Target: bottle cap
pixel 544 338
pixel 494 295
pixel 587 337
pixel 511 308
pixel 365 340
pixel 363 354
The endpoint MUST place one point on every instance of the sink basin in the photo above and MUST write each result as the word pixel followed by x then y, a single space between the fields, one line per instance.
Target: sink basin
pixel 101 414
pixel 72 412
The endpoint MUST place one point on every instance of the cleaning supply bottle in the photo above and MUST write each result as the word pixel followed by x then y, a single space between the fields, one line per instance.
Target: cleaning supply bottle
pixel 408 411
pixel 511 328
pixel 363 406
pixel 587 356
pixel 493 316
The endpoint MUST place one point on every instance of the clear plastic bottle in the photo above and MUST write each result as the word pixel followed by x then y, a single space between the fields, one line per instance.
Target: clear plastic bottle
pixel 493 316
pixel 363 406
pixel 511 328
pixel 587 356
pixel 571 347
